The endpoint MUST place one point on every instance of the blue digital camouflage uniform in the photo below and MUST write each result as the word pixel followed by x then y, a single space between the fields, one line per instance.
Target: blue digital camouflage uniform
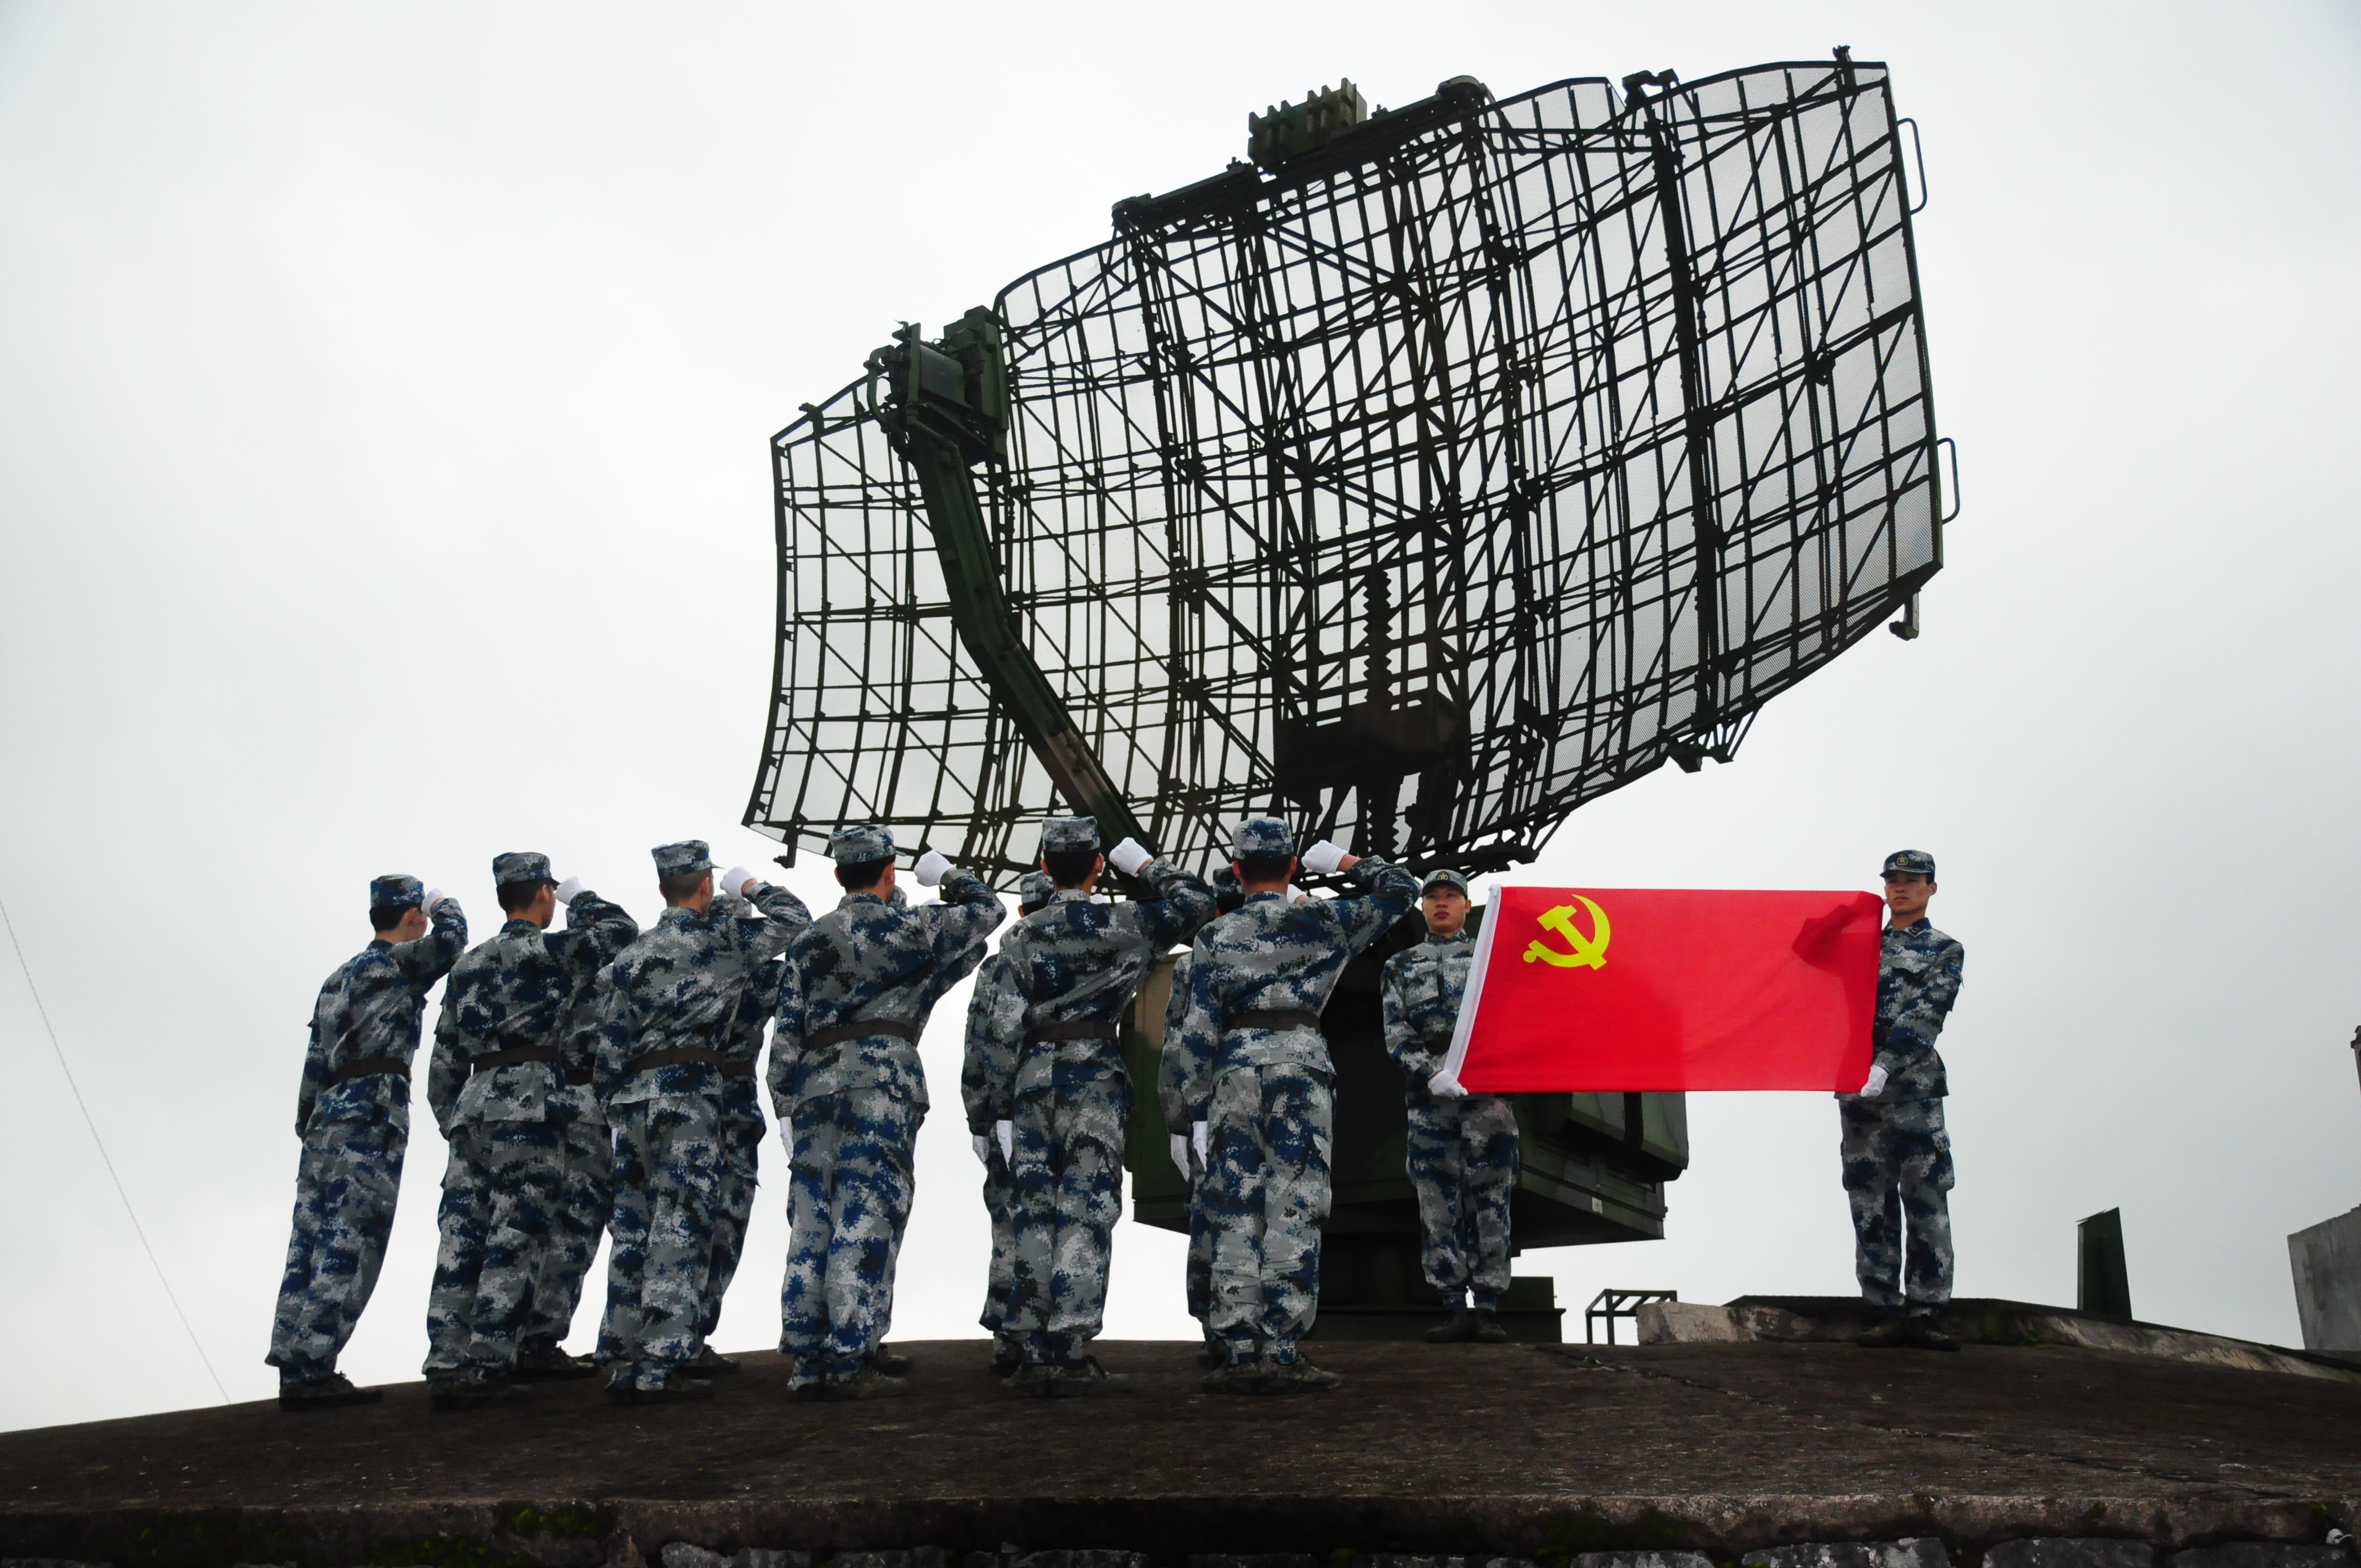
pixel 588 1151
pixel 1463 1151
pixel 845 1073
pixel 1897 1154
pixel 1172 1098
pixel 1054 1024
pixel 672 997
pixel 353 1114
pixel 1267 1094
pixel 743 1127
pixel 496 1068
pixel 986 1088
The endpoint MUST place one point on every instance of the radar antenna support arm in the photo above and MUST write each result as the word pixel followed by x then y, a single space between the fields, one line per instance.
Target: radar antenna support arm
pixel 947 409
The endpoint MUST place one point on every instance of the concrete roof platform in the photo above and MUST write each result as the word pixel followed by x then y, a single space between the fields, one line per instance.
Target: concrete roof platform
pixel 1525 1450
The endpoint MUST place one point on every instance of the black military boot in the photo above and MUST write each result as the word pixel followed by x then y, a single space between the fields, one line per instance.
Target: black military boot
pixel 1297 1376
pixel 709 1362
pixel 866 1384
pixel 1920 1333
pixel 1488 1329
pixel 333 1392
pixel 1085 1379
pixel 1008 1355
pixel 1887 1335
pixel 891 1363
pixel 551 1366
pixel 1457 1328
pixel 469 1393
pixel 1233 1377
pixel 1211 1354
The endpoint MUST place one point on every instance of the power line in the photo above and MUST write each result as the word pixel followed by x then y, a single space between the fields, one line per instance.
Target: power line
pixel 103 1158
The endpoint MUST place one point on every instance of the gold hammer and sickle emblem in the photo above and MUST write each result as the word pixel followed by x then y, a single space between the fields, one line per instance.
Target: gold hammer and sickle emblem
pixel 1591 951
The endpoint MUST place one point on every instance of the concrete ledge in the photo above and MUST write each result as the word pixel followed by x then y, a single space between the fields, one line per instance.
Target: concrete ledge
pixel 1807 1320
pixel 1545 1452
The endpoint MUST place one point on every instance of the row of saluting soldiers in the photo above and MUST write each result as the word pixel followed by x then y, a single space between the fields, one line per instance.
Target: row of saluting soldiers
pixel 602 1077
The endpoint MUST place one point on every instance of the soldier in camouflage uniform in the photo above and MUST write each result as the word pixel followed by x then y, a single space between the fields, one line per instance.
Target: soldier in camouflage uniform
pixel 496 1067
pixel 1463 1147
pixel 352 1115
pixel 1174 1103
pixel 845 1076
pixel 588 1151
pixel 985 1086
pixel 1054 1024
pixel 1261 1094
pixel 742 1129
pixel 672 997
pixel 1897 1156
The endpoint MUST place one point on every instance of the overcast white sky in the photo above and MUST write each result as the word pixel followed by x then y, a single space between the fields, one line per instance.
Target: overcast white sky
pixel 384 484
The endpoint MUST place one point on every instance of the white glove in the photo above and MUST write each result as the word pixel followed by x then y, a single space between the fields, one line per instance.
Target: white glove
pixel 931 869
pixel 1197 1142
pixel 435 895
pixel 1875 1086
pixel 736 879
pixel 568 889
pixel 1445 1086
pixel 1101 898
pixel 1294 894
pixel 1129 857
pixel 1323 858
pixel 787 1136
pixel 1004 1134
pixel 983 1147
pixel 1179 1142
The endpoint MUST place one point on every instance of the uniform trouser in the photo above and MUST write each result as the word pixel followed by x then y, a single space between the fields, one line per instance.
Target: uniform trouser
pixel 1266 1197
pixel 1463 1166
pixel 848 1197
pixel 345 1184
pixel 667 1182
pixel 741 1152
pixel 1069 1176
pixel 588 1149
pixel 1000 1207
pixel 1200 1286
pixel 1897 1163
pixel 502 1185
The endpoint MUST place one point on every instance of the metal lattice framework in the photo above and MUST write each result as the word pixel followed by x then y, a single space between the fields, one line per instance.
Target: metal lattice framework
pixel 1440 480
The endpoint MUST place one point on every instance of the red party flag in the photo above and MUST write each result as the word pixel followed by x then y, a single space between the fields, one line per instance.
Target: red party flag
pixel 1579 989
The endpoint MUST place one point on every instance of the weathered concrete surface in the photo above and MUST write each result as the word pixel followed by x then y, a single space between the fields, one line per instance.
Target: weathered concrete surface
pixel 1518 1450
pixel 1828 1320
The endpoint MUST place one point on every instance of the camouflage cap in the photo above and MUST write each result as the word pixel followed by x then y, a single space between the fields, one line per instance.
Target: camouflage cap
pixel 520 865
pixel 1068 835
pixel 681 859
pixel 395 889
pixel 1915 861
pixel 1262 836
pixel 861 844
pixel 1034 888
pixel 1449 879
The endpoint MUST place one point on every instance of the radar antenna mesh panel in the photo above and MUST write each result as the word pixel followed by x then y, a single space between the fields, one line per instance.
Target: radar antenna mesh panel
pixel 1447 477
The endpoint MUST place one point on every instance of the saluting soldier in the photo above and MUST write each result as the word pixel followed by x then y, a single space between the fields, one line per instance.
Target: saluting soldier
pixel 587 1152
pixel 986 1086
pixel 1056 1020
pixel 1172 1099
pixel 495 1068
pixel 1463 1147
pixel 353 1117
pixel 742 1130
pixel 1897 1154
pixel 672 997
pixel 1261 1094
pixel 846 1078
